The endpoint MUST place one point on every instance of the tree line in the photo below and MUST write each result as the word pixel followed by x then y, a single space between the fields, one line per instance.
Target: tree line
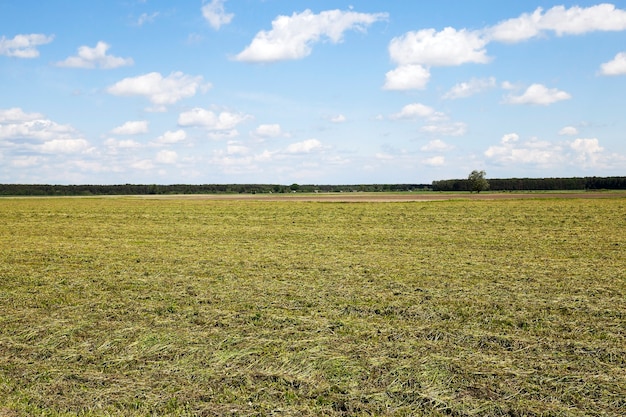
pixel 151 189
pixel 539 184
pixel 510 184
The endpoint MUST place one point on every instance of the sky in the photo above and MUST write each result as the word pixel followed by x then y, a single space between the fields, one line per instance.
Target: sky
pixel 324 92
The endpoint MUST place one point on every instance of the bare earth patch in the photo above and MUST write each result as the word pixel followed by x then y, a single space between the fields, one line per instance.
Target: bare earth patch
pixel 391 197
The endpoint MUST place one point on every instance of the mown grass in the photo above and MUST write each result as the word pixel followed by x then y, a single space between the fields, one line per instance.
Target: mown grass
pixel 134 307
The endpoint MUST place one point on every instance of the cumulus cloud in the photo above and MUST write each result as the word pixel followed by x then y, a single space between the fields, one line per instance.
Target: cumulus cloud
pixel 95 58
pixel 292 37
pixel 617 66
pixel 166 157
pixel 131 128
pixel 581 152
pixel 451 47
pixel 449 129
pixel 236 148
pixel 415 110
pixel 17 125
pixel 56 146
pixel 142 164
pixel 17 115
pixel 448 47
pixel 469 88
pixel 146 18
pixel 158 89
pixel 340 118
pixel 539 94
pixel 415 52
pixel 534 152
pixel 588 151
pixel 306 146
pixel 115 144
pixel 568 131
pixel 32 132
pixel 509 138
pixel 268 131
pixel 407 77
pixel 573 21
pixel 26 161
pixel 199 117
pixel 436 145
pixel 170 137
pixel 215 14
pixel 23 46
pixel 435 161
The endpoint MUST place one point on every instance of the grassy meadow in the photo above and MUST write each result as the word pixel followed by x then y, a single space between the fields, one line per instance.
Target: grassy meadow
pixel 190 307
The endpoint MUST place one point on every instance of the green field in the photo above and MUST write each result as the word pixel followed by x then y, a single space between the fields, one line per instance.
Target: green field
pixel 149 307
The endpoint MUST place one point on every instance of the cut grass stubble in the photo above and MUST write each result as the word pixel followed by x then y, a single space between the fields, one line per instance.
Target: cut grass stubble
pixel 188 307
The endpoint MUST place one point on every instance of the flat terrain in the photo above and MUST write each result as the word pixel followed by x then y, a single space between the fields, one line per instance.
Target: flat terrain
pixel 210 306
pixel 355 197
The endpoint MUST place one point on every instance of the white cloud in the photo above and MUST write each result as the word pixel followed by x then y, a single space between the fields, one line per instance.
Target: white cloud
pixel 170 137
pixel 517 29
pixel 16 125
pixel 617 66
pixel 268 131
pixel 143 165
pixel 539 94
pixel 291 37
pixel 577 20
pixel 33 133
pixel 534 152
pixel 223 134
pixel 115 144
pixel 588 151
pixel 573 21
pixel 95 58
pixel 435 161
pixel 384 156
pixel 340 118
pixel 199 117
pixel 23 46
pixel 469 88
pixel 236 148
pixel 158 89
pixel 569 131
pixel 446 48
pixel 146 18
pixel 451 129
pixel 26 161
pixel 407 77
pixel 166 157
pixel 131 128
pixel 306 146
pixel 579 153
pixel 509 138
pixel 412 111
pixel 17 115
pixel 64 146
pixel 507 85
pixel 214 13
pixel 436 145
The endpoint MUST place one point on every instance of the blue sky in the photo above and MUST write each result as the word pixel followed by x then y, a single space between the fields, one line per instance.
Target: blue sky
pixel 325 92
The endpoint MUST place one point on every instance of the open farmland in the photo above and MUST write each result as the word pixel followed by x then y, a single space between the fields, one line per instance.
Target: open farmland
pixel 202 307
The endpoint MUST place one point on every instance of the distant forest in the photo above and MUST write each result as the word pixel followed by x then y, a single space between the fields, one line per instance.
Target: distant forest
pixel 511 184
pixel 538 184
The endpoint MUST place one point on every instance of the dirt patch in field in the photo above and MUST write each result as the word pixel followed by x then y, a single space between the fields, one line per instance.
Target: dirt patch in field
pixel 388 197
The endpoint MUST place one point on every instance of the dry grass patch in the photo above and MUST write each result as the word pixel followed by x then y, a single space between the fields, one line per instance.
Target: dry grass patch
pixel 187 307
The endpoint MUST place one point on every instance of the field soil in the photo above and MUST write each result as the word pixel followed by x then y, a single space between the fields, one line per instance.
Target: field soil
pixel 391 197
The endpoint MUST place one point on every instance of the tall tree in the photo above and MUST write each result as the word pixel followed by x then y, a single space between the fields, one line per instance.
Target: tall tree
pixel 477 181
